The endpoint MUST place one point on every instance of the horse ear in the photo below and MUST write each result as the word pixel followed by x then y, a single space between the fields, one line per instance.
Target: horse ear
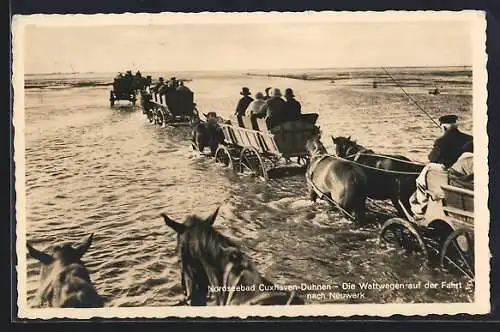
pixel 334 140
pixel 211 218
pixel 82 248
pixel 349 138
pixel 177 227
pixel 40 256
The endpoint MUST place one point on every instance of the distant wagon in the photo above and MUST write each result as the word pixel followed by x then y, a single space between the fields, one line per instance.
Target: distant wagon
pixel 124 88
pixel 170 106
pixel 251 146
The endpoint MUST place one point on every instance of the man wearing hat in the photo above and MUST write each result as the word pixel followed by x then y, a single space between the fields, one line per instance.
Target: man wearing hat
pixel 292 106
pixel 158 85
pixel 243 102
pixel 447 150
pixel 448 147
pixel 273 109
pixel 266 91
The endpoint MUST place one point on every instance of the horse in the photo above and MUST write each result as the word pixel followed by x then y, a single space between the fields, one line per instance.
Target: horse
pixel 397 186
pixel 64 279
pixel 207 134
pixel 343 182
pixel 212 262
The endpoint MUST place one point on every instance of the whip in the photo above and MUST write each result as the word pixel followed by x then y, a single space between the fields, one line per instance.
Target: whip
pixel 413 100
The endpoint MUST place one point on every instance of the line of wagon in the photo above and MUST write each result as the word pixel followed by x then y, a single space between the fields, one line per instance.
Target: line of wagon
pixel 445 234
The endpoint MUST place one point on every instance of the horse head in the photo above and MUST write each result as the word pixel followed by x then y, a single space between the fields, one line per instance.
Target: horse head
pixel 344 146
pixel 314 146
pixel 207 257
pixel 65 280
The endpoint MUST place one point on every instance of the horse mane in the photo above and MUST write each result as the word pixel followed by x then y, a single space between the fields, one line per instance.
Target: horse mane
pixel 209 245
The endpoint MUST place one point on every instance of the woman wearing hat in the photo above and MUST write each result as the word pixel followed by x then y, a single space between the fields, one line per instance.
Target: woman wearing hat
pixel 256 105
pixel 243 102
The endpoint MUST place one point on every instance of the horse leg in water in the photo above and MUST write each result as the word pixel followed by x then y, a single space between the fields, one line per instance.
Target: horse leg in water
pixel 313 196
pixel 353 200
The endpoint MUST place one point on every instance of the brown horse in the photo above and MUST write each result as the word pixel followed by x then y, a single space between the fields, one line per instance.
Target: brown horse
pixel 339 180
pixel 64 280
pixel 210 262
pixel 207 134
pixel 389 176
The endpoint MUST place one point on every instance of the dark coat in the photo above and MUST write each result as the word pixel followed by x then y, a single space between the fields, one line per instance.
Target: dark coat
pixel 448 147
pixel 243 105
pixel 292 110
pixel 273 110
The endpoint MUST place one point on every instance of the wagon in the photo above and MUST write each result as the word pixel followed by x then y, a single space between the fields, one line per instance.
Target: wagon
pixel 171 107
pixel 251 146
pixel 124 88
pixel 445 234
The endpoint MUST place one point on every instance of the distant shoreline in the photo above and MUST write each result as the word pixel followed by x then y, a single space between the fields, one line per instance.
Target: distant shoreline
pixel 260 71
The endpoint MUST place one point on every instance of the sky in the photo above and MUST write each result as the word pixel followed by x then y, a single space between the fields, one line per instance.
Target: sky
pixel 246 46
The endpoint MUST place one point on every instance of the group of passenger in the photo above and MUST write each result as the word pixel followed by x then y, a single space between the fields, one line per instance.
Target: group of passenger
pixel 128 81
pixel 163 87
pixel 452 153
pixel 270 106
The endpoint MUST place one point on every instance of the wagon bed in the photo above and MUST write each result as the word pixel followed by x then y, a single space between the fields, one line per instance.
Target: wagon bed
pixel 445 233
pixel 249 144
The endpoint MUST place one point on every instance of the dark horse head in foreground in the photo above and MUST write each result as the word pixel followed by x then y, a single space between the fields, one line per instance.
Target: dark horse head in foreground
pixel 389 176
pixel 212 262
pixel 64 280
pixel 207 134
pixel 339 180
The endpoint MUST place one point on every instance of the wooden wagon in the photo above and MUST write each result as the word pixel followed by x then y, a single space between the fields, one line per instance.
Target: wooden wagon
pixel 171 107
pixel 446 231
pixel 250 145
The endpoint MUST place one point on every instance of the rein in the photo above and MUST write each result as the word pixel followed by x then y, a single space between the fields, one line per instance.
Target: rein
pixel 368 152
pixel 370 167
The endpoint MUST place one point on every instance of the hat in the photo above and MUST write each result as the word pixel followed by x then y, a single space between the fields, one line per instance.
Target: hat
pixel 259 95
pixel 289 93
pixel 448 119
pixel 245 91
pixel 276 92
pixel 160 79
pixel 172 78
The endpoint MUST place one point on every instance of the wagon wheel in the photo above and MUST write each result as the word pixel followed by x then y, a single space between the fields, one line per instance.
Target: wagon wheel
pixel 251 159
pixel 160 118
pixel 402 233
pixel 150 114
pixel 457 254
pixel 223 156
pixel 111 98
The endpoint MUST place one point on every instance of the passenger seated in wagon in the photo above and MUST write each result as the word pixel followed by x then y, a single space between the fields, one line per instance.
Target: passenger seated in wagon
pixel 256 105
pixel 273 109
pixel 158 85
pixel 460 173
pixel 292 107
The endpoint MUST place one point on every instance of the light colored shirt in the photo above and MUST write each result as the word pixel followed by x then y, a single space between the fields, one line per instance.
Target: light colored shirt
pixel 254 107
pixel 464 165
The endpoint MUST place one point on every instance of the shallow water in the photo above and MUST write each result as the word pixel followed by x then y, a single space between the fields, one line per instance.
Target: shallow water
pixel 92 169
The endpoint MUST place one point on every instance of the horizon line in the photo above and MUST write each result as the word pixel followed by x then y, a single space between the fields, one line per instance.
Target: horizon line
pixel 253 69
